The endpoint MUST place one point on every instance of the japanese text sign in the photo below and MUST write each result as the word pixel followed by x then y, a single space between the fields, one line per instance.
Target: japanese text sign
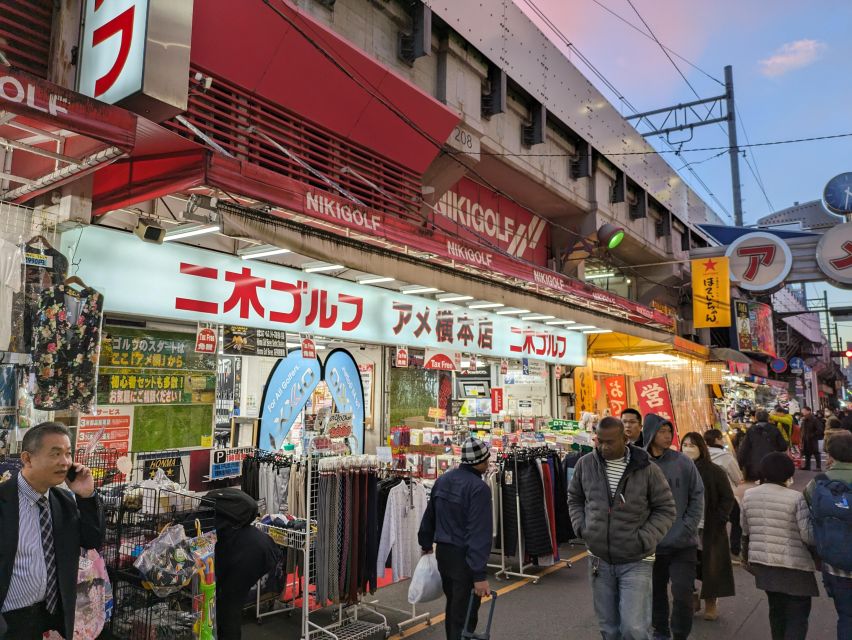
pixel 711 293
pixel 585 391
pixel 206 339
pixel 759 261
pixel 616 393
pixel 402 357
pixel 227 463
pixel 247 341
pixel 309 349
pixel 496 399
pixel 653 397
pixel 186 283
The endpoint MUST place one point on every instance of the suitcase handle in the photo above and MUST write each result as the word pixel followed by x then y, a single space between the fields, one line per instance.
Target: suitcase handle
pixel 472 635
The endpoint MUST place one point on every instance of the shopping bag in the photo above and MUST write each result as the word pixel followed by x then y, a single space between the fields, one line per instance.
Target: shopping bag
pixel 426 582
pixel 94 598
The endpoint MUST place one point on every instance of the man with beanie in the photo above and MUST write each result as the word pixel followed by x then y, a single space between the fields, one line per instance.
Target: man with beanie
pixel 458 521
pixel 677 552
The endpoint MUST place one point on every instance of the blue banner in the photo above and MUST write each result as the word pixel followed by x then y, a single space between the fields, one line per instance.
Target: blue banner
pixel 288 389
pixel 343 378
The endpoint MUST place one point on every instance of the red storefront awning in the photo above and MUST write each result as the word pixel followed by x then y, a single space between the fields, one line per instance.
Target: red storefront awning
pixel 56 135
pixel 298 63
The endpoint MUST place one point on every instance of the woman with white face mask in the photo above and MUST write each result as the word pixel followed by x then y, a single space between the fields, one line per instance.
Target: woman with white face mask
pixel 714 558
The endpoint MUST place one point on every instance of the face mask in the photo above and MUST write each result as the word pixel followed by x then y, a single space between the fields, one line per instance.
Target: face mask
pixel 692 452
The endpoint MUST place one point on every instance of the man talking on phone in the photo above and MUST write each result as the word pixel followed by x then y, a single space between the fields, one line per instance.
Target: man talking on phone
pixel 42 528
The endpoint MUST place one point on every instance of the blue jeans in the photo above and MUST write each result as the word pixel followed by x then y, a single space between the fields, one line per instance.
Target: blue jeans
pixel 840 589
pixel 622 597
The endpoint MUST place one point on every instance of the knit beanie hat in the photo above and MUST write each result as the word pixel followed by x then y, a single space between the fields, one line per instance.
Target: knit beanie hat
pixel 474 451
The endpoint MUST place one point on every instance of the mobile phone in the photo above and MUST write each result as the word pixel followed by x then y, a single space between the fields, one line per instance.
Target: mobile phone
pixel 72 473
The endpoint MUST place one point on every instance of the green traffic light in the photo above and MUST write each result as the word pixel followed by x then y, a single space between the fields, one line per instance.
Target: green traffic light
pixel 616 239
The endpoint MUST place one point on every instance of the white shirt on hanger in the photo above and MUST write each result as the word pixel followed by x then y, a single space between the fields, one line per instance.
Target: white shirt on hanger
pixel 399 532
pixel 11 259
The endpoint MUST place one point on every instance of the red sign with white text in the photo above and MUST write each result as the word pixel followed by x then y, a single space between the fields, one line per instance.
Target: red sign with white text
pixel 402 357
pixel 496 399
pixel 653 395
pixel 309 349
pixel 616 393
pixel 205 339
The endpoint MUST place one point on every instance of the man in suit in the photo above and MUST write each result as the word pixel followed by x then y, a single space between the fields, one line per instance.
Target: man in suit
pixel 42 528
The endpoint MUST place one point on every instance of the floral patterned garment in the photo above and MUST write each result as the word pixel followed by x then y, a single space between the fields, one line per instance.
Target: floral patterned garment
pixel 66 350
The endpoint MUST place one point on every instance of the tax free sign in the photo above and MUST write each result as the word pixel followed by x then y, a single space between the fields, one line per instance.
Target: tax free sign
pixel 185 283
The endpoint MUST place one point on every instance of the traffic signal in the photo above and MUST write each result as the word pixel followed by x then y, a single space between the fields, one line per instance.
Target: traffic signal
pixel 842 354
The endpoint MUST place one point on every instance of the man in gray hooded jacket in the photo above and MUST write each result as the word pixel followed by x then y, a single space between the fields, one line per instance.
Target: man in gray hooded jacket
pixel 621 505
pixel 677 552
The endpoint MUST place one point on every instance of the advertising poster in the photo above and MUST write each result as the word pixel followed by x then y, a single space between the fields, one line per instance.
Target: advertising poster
pixel 228 379
pixel 110 427
pixel 753 327
pixel 247 341
pixel 288 389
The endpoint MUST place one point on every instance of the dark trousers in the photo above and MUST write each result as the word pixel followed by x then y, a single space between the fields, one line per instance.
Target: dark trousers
pixel 840 590
pixel 31 623
pixel 736 530
pixel 808 453
pixel 788 616
pixel 677 566
pixel 457 581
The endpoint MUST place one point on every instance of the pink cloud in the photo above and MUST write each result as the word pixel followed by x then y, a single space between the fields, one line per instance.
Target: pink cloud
pixel 792 56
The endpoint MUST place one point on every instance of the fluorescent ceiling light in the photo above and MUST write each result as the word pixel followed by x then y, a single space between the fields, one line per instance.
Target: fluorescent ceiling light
pixel 538 317
pixel 263 251
pixel 653 358
pixel 374 279
pixel 415 289
pixel 190 230
pixel 318 268
pixel 580 327
pixel 600 276
pixel 454 297
pixel 486 305
pixel 298 345
pixel 555 323
pixel 511 312
pixel 598 331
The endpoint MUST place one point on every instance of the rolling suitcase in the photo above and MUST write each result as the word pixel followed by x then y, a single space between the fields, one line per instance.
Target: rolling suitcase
pixel 473 635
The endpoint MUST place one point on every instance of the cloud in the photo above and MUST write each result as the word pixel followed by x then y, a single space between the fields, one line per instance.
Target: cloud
pixel 791 56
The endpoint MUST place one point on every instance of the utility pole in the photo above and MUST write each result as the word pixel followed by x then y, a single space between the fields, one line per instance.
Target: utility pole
pixel 734 149
pixel 685 116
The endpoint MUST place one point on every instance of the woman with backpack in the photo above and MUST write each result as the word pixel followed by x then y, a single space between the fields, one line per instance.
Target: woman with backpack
pixel 827 494
pixel 776 535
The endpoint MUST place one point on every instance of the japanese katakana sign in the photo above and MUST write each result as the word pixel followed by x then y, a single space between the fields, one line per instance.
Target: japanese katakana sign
pixel 616 393
pixel 191 284
pixel 759 261
pixel 711 293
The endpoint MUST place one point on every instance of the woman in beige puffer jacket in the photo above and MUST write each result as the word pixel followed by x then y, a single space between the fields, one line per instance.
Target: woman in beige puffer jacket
pixel 776 535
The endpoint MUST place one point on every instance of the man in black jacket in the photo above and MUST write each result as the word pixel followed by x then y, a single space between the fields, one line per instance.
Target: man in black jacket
pixel 622 506
pixel 42 529
pixel 811 433
pixel 458 518
pixel 761 439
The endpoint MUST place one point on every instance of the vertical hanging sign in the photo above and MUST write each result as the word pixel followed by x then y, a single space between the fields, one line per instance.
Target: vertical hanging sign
pixel 584 389
pixel 309 349
pixel 206 338
pixel 654 397
pixel 711 293
pixel 496 399
pixel 616 393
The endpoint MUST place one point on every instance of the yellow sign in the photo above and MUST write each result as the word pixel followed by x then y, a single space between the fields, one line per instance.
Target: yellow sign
pixel 711 293
pixel 584 391
pixel 206 441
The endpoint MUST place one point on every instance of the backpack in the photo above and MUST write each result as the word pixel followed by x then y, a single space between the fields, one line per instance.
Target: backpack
pixel 831 515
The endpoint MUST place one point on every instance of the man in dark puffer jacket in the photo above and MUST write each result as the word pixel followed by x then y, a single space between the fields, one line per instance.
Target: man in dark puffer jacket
pixel 622 506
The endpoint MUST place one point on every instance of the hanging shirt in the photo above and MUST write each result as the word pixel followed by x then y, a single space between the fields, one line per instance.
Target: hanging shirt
pixel 399 532
pixel 11 258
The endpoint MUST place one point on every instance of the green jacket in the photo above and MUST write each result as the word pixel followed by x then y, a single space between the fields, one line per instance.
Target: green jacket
pixel 839 471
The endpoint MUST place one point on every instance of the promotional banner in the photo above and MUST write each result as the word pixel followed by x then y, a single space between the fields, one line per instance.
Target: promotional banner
pixel 711 293
pixel 584 390
pixel 654 397
pixel 287 391
pixel 616 393
pixel 206 339
pixel 248 341
pixel 753 328
pixel 496 399
pixel 190 284
pixel 341 374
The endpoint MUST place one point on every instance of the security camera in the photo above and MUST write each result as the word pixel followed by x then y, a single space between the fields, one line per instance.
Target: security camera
pixel 150 231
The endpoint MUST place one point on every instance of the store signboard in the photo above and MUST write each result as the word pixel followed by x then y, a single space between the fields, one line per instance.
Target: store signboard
pixel 753 328
pixel 616 393
pixel 442 360
pixel 191 284
pixel 206 339
pixel 288 389
pixel 834 254
pixel 654 397
pixel 168 461
pixel 711 293
pixel 341 374
pixel 497 399
pixel 759 261
pixel 239 340
pixel 757 368
pixel 228 463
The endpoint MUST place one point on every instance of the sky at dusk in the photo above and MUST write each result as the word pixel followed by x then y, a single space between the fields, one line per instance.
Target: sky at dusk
pixel 791 63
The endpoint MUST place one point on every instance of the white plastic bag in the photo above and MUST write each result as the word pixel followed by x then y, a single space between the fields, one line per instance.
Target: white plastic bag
pixel 426 582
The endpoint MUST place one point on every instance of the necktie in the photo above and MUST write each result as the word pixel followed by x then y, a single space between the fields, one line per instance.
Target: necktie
pixel 51 596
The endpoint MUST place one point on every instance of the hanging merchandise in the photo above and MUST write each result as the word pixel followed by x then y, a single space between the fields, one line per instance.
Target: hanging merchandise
pixel 404 510
pixel 11 257
pixel 8 404
pixel 42 267
pixel 66 346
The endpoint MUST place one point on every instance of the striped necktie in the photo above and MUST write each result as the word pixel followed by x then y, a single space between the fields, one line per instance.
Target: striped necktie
pixel 51 595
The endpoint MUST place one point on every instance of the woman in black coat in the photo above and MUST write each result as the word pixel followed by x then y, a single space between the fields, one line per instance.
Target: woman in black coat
pixel 715 570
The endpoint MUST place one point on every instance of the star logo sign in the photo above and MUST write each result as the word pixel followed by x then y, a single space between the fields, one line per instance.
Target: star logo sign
pixel 710 265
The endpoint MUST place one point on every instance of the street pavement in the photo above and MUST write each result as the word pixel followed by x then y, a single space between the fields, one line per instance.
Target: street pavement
pixel 560 606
